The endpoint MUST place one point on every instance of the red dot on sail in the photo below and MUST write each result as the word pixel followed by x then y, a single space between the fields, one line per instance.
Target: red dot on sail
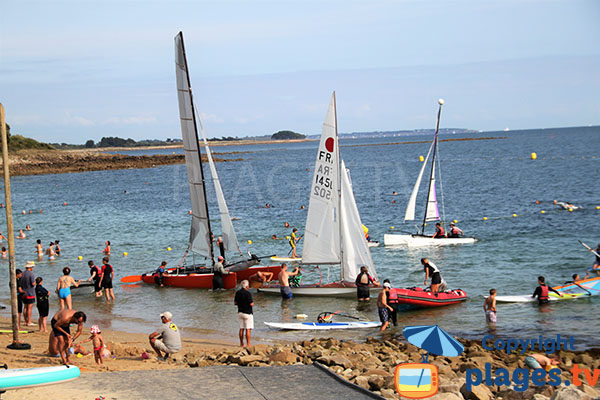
pixel 329 144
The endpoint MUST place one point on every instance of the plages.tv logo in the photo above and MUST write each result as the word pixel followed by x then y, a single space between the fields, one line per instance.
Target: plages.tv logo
pixel 421 380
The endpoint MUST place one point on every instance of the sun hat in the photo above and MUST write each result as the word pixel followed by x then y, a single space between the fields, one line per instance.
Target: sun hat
pixel 167 315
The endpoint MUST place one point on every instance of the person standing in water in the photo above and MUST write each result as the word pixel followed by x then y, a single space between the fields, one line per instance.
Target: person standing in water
pixel 284 281
pixel 106 250
pixel 50 251
pixel 489 307
pixel 95 275
pixel 39 249
pixel 542 291
pixel 218 272
pixel 106 279
pixel 63 288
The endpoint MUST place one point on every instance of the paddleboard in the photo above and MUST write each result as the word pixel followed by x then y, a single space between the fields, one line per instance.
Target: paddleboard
pixel 10 331
pixel 322 326
pixel 584 288
pixel 29 377
pixel 286 259
pixel 373 244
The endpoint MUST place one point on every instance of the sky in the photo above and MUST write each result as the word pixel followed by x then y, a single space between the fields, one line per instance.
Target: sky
pixel 75 70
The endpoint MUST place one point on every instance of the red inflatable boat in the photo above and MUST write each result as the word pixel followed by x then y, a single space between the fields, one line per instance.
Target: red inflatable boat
pixel 417 297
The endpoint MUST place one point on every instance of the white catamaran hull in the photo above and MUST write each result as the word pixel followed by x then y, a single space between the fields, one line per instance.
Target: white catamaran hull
pixel 322 326
pixel 418 240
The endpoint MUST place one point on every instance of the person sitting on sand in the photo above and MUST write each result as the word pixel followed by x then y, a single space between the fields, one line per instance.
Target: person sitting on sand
pixel 166 339
pixel 61 338
pixel 537 361
pixel 21 234
pixel 63 288
pixel 489 307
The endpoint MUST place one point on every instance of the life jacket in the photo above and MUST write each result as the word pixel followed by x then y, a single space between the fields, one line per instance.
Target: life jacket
pixel 441 231
pixel 544 294
pixel 455 231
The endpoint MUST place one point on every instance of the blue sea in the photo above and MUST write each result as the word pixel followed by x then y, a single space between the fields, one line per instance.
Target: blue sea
pixel 145 211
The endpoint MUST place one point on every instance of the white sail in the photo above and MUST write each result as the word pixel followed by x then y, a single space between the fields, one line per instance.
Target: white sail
pixel 322 231
pixel 412 201
pixel 355 249
pixel 431 212
pixel 229 237
pixel 200 241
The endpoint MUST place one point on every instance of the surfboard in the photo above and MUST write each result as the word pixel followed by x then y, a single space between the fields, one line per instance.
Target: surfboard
pixel 322 326
pixel 10 331
pixel 584 288
pixel 29 377
pixel 286 259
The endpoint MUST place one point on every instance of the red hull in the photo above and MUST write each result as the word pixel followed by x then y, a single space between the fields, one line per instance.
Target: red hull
pixel 420 298
pixel 193 281
pixel 204 281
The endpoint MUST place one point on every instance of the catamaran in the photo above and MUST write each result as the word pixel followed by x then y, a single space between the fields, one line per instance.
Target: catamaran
pixel 432 213
pixel 333 233
pixel 199 275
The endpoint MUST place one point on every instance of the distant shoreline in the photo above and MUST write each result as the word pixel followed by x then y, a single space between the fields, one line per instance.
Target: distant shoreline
pixel 219 143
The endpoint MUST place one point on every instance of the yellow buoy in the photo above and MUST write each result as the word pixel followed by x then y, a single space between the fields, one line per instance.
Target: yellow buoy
pixel 514 215
pixel 597 207
pixel 287 237
pixel 168 249
pixel 485 218
pixel 125 253
pixel 533 156
pixel 570 209
pixel 542 212
pixel 80 258
pixel 421 159
pixel 391 227
pixel 455 221
pixel 249 241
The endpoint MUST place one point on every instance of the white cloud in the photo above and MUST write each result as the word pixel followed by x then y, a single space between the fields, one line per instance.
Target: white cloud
pixel 210 118
pixel 76 120
pixel 132 120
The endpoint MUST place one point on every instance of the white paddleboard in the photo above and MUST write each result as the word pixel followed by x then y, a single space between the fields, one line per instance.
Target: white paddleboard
pixel 373 244
pixel 286 259
pixel 322 326
pixel 529 299
pixel 29 377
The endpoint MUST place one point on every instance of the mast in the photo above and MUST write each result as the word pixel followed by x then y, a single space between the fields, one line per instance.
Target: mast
pixel 209 238
pixel 432 175
pixel 339 181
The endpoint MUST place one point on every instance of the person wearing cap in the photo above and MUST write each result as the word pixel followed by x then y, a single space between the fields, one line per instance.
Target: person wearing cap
pixel 243 301
pixel 28 286
pixel 454 231
pixel 166 339
pixel 392 300
pixel 383 307
pixel 218 272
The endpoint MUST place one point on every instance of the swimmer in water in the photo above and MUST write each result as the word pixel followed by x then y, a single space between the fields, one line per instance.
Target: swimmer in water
pixel 27 227
pixel 106 250
pixel 39 249
pixel 2 237
pixel 21 234
pixel 3 252
pixel 56 248
pixel 50 251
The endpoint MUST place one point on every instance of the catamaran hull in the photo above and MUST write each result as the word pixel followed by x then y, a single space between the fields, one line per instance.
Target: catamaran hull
pixel 419 298
pixel 418 240
pixel 337 289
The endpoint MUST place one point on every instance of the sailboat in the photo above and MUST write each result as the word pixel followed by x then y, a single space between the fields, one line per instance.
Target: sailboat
pixel 432 213
pixel 333 233
pixel 201 238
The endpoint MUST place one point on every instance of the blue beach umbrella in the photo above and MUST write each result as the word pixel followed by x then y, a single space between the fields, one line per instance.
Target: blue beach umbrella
pixel 433 339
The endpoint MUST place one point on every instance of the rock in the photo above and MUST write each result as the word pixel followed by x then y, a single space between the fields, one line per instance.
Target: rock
pixel 590 391
pixel 245 360
pixel 258 348
pixel 376 382
pixel 450 387
pixel 335 360
pixel 222 358
pixel 315 353
pixel 465 366
pixel 480 392
pixel 379 372
pixel 362 381
pixel 481 360
pixel 447 396
pixel 282 356
pixel 512 394
pixel 584 359
pixel 569 393
pixel 331 342
pixel 389 394
pixel 538 396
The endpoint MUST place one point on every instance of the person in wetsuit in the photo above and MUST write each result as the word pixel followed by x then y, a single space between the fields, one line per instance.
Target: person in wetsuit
pixel 541 292
pixel 392 301
pixel 95 276
pixel 158 274
pixel 432 271
pixel 362 281
pixel 218 272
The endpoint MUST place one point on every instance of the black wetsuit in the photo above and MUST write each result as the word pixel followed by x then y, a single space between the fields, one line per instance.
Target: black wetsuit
pixel 43 305
pixel 362 290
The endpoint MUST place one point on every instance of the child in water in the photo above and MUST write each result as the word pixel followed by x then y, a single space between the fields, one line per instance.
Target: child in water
pixel 97 342
pixel 3 252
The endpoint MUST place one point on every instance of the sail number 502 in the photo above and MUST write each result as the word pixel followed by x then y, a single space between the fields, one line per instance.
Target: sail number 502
pixel 322 192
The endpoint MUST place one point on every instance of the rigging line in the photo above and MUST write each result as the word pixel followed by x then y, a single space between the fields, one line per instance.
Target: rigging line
pixel 251 384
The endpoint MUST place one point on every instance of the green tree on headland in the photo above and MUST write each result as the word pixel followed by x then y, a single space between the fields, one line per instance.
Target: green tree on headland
pixel 19 142
pixel 116 142
pixel 286 135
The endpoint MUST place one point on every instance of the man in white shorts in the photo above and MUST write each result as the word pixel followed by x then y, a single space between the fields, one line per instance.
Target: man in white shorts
pixel 243 301
pixel 166 339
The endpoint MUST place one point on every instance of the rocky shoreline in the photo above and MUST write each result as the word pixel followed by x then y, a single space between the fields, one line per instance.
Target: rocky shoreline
pixel 371 365
pixel 62 162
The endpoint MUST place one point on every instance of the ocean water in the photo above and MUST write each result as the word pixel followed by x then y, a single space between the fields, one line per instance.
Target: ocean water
pixel 144 211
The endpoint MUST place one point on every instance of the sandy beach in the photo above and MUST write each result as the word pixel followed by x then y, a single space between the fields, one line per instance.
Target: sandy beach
pixel 369 364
